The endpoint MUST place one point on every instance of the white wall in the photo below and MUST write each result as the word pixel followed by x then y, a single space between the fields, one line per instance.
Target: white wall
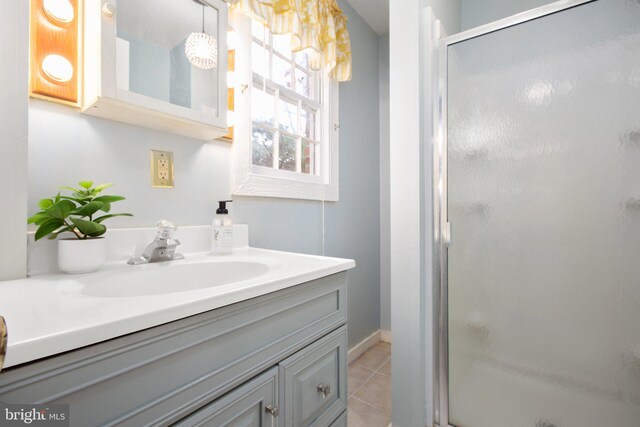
pixel 475 12
pixel 407 292
pixel 385 182
pixel 14 74
pixel 413 68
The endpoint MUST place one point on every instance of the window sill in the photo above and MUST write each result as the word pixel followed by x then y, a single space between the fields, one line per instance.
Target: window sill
pixel 260 185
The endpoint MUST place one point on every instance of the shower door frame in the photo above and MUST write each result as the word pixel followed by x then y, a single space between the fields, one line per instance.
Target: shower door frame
pixel 441 229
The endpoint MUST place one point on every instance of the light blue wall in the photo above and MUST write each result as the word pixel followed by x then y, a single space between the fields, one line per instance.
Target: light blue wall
pixel 475 12
pixel 448 12
pixel 352 225
pixel 385 183
pixel 461 15
pixel 281 224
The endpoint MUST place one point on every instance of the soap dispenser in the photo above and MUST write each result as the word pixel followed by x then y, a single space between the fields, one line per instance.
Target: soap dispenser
pixel 222 230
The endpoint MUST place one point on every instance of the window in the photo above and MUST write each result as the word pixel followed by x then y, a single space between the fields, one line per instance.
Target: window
pixel 286 136
pixel 285 107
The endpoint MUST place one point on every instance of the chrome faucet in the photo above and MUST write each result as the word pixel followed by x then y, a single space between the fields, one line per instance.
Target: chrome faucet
pixel 162 248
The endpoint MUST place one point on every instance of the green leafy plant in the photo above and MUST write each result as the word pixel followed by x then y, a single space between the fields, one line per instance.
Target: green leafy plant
pixel 82 213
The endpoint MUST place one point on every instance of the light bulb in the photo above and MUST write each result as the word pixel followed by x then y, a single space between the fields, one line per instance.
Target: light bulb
pixel 231 40
pixel 231 79
pixel 202 50
pixel 60 10
pixel 57 68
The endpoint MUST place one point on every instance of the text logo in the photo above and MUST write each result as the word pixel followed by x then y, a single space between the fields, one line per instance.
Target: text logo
pixel 34 415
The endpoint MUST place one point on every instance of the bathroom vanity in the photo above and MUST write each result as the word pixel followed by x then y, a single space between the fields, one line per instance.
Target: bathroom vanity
pixel 270 351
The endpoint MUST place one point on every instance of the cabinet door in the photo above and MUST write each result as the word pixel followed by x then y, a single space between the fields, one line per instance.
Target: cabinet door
pixel 314 383
pixel 341 421
pixel 141 68
pixel 254 404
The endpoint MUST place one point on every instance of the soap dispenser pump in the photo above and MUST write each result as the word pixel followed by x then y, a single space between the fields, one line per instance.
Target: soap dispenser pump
pixel 222 230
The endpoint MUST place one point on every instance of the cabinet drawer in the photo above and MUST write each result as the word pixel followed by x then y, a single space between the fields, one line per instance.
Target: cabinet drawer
pixel 314 382
pixel 251 405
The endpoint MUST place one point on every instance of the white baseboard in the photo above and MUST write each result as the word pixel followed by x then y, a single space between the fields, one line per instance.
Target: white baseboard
pixel 364 345
pixel 385 336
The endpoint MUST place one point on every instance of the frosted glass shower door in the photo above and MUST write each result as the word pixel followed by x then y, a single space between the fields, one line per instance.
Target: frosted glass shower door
pixel 543 198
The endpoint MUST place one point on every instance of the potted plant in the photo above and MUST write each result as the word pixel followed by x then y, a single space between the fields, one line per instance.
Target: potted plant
pixel 81 214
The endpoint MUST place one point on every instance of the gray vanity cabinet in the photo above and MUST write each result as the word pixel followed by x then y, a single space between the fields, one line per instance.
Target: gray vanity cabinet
pixel 306 389
pixel 314 382
pixel 278 360
pixel 254 404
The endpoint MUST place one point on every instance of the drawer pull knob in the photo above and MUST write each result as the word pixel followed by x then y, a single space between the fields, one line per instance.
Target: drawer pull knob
pixel 273 410
pixel 324 389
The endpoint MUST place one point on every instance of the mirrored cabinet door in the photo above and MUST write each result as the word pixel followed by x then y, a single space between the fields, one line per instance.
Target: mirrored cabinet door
pixel 162 57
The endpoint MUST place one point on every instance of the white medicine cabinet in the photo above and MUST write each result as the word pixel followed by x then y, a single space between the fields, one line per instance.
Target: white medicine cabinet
pixel 160 64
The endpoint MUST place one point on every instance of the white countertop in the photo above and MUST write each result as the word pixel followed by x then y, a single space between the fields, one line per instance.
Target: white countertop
pixel 50 314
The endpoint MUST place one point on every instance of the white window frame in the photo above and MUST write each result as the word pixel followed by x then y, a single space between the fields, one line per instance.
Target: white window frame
pixel 250 180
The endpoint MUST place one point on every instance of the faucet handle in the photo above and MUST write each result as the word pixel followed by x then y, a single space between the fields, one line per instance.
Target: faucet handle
pixel 166 229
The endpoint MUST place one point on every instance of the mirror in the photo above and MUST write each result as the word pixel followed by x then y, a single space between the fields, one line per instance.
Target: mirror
pixel 150 52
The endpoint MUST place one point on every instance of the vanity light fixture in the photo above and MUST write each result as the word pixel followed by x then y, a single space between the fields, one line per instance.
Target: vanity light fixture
pixel 55 50
pixel 59 10
pixel 231 82
pixel 202 48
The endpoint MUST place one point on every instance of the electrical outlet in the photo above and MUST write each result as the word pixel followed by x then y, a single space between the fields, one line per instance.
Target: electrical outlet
pixel 161 169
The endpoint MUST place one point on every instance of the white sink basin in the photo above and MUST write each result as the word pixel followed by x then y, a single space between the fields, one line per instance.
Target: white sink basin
pixel 164 278
pixel 51 314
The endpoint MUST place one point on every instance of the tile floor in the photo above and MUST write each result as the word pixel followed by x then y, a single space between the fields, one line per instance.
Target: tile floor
pixel 370 388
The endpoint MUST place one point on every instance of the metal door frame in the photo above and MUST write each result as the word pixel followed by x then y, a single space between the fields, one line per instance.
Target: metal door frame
pixel 441 232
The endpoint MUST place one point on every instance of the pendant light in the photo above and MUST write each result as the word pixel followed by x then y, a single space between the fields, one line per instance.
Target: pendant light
pixel 202 48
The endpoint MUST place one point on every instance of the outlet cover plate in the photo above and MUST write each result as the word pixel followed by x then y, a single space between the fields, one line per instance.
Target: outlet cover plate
pixel 161 169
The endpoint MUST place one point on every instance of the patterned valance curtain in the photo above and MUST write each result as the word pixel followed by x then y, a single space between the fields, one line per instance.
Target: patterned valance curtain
pixel 317 25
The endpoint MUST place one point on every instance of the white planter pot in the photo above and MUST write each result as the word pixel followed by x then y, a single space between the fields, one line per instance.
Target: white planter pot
pixel 81 256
